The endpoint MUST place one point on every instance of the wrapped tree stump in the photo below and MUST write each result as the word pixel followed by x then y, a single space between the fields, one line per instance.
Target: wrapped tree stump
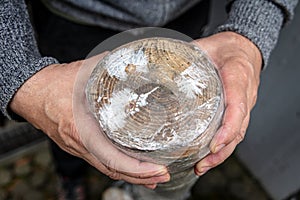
pixel 158 100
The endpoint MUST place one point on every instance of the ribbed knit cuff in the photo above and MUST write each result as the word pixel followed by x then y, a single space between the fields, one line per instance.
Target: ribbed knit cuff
pixel 260 21
pixel 12 82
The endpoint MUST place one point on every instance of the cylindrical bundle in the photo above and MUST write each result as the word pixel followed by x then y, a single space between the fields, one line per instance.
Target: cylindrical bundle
pixel 158 100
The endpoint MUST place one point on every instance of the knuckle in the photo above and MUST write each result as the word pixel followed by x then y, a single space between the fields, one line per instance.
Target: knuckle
pixel 114 175
pixel 254 99
pixel 74 133
pixel 63 128
pixel 242 61
pixel 68 134
pixel 232 132
pixel 244 65
pixel 243 109
pixel 228 127
pixel 240 136
pixel 112 172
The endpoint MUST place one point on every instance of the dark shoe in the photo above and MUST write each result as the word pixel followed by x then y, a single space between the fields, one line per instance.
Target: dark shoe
pixel 71 189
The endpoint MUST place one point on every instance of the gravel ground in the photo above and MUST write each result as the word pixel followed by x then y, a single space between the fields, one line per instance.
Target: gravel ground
pixel 29 174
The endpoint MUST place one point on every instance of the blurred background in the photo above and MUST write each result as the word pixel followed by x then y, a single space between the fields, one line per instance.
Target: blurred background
pixel 271 149
pixel 264 166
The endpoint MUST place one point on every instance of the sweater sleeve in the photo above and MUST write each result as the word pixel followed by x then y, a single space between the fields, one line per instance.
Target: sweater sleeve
pixel 260 21
pixel 19 55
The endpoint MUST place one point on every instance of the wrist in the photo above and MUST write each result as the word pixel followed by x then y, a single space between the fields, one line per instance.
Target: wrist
pixel 247 47
pixel 42 93
pixel 227 46
pixel 31 95
pixel 260 21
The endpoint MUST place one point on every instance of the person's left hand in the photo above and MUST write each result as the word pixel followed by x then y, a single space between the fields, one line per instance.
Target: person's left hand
pixel 238 62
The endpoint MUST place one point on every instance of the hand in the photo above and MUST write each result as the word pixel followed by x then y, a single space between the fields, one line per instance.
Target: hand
pixel 45 100
pixel 238 62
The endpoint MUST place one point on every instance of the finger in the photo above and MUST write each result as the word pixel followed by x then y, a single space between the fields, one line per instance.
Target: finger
pixel 230 128
pixel 98 144
pixel 117 160
pixel 111 157
pixel 115 164
pixel 214 159
pixel 150 182
pixel 94 59
pixel 86 68
pixel 236 110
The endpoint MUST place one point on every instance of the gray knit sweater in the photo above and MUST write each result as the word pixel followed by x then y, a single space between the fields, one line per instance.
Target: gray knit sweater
pixel 258 20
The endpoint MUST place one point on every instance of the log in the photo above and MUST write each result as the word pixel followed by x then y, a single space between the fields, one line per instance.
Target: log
pixel 159 100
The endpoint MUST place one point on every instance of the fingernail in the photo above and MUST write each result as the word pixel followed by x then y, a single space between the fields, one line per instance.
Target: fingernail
pixel 162 172
pixel 165 178
pixel 201 174
pixel 218 148
pixel 202 171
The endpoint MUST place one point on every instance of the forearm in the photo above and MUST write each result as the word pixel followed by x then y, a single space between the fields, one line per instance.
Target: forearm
pixel 260 21
pixel 19 55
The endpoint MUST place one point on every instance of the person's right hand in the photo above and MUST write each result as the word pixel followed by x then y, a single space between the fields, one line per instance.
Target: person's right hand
pixel 45 100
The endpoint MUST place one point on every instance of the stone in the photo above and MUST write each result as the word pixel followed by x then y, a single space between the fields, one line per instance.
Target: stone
pixel 19 188
pixel 22 167
pixel 5 176
pixel 3 194
pixel 33 195
pixel 38 178
pixel 43 158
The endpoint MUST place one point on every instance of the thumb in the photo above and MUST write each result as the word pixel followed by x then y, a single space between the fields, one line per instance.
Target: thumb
pixel 93 61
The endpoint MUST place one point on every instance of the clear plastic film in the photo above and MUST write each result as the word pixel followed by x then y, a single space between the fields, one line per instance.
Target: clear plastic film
pixel 158 100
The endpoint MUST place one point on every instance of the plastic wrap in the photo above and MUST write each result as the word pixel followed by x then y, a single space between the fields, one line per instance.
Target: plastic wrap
pixel 158 100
